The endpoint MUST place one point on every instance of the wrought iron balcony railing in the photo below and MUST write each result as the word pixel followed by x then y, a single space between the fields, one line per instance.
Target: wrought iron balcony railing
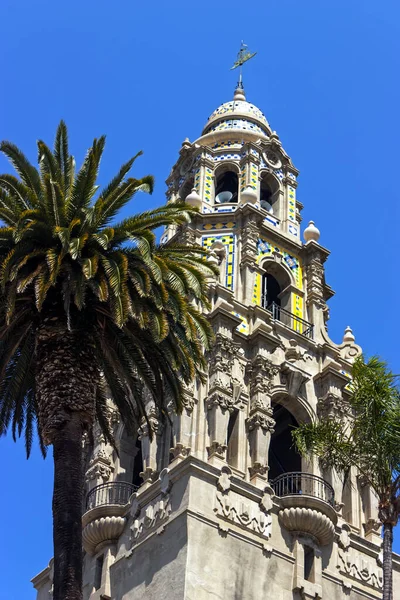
pixel 290 320
pixel 117 492
pixel 306 484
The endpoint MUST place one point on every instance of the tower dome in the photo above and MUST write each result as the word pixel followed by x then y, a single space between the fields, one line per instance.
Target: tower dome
pixel 238 115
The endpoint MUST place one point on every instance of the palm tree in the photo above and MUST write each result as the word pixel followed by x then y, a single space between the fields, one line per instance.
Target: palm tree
pixel 369 441
pixel 88 307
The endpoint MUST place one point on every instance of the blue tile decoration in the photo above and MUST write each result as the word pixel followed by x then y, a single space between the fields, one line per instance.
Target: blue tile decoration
pixel 229 241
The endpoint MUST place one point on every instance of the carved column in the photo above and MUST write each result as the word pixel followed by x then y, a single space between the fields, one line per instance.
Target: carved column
pixel 149 446
pixel 248 260
pixel 317 293
pixel 260 424
pixel 182 428
pixel 220 398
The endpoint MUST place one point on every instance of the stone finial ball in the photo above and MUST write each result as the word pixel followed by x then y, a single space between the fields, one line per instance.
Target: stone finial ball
pixel 311 232
pixel 193 199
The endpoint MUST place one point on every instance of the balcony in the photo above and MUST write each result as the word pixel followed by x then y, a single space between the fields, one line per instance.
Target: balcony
pixel 290 320
pixel 307 505
pixel 104 519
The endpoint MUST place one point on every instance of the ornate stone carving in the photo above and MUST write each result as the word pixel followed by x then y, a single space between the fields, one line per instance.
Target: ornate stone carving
pixel 333 406
pixel 222 355
pixel 216 449
pixel 249 236
pixel 105 530
pixel 232 507
pixel 309 521
pixel 261 419
pixel 355 565
pixel 180 451
pixel 99 466
pixel 261 373
pixel 220 399
pixel 155 513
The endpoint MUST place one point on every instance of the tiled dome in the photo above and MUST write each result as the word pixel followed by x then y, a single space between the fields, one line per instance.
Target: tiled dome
pixel 237 114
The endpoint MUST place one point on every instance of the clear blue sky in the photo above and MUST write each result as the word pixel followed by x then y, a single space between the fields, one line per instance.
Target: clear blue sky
pixel 148 74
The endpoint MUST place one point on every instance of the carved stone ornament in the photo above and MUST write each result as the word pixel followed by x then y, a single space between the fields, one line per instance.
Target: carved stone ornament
pixel 261 373
pixel 105 530
pixel 333 406
pixel 230 506
pixel 222 355
pixel 357 566
pixel 261 419
pixel 99 466
pixel 216 449
pixel 154 421
pixel 308 521
pixel 151 516
pixel 223 400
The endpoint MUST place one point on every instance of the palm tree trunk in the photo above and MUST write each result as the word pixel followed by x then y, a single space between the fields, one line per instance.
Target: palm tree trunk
pixel 387 561
pixel 67 511
pixel 66 381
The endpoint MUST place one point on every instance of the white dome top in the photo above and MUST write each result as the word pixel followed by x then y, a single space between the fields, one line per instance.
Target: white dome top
pixel 237 114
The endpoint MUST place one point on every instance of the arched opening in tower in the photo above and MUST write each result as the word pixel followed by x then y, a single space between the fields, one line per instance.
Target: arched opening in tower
pixel 271 291
pixel 283 456
pixel 269 194
pixel 226 188
pixel 266 197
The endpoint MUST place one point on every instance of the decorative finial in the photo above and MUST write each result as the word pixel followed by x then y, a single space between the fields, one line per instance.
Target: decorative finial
pixel 193 199
pixel 348 337
pixel 311 232
pixel 243 56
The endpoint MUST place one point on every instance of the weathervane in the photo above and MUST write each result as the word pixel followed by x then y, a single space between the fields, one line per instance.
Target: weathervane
pixel 243 56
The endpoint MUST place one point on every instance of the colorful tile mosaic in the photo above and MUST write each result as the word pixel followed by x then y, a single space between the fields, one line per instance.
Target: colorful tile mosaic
pixel 253 176
pixel 208 184
pixel 279 173
pixel 239 106
pixel 220 209
pixel 224 145
pixel 244 325
pixel 229 156
pixel 229 242
pixel 242 177
pixel 292 203
pixel 273 221
pixel 293 230
pixel 197 180
pixel 242 124
pixel 212 226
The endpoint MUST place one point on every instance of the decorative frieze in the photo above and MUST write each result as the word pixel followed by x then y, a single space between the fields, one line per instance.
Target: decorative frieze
pixel 353 564
pixel 233 507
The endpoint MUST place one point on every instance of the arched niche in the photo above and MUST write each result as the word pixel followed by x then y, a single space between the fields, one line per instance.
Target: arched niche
pixel 270 193
pixel 226 184
pixel 130 461
pixel 186 187
pixel 276 287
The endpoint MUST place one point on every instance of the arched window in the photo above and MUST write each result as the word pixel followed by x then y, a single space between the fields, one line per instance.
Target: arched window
pixel 276 290
pixel 226 187
pixel 269 194
pixel 283 457
pixel 271 291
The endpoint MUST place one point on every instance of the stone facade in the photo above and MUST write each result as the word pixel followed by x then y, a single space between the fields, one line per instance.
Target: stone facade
pixel 218 505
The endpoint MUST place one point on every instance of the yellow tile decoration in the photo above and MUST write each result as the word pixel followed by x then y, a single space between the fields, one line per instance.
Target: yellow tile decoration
pixel 229 242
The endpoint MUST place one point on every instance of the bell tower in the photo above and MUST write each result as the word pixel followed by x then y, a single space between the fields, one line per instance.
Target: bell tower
pixel 218 504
